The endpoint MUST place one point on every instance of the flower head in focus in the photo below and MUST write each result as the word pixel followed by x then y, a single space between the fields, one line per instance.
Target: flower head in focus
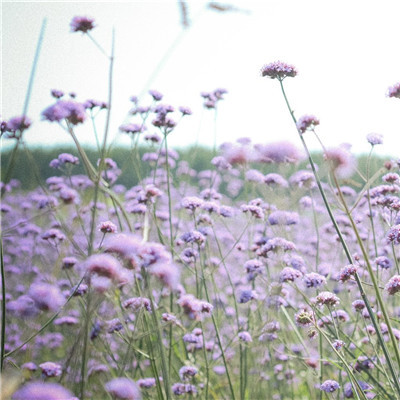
pixel 82 24
pixel 278 70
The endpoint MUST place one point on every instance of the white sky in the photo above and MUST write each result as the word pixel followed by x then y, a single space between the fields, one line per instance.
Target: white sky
pixel 346 52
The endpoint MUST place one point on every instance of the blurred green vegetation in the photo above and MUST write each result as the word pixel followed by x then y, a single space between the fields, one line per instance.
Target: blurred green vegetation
pixel 32 164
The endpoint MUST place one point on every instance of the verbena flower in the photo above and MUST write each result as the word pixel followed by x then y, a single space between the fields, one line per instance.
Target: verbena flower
pixel 329 386
pixel 307 122
pixel 327 298
pixel 69 110
pixel 82 24
pixel 42 391
pixel 394 91
pixel 50 369
pixel 393 285
pixel 123 389
pixel 278 70
pixel 374 139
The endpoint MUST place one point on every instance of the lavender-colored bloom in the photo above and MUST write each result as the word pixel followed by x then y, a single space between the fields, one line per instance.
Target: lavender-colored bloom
pixel 245 337
pixel 123 389
pixel 383 262
pixel 47 297
pixel 30 366
pixel 137 303
pixel 347 272
pixel 393 236
pixel 342 161
pixel 67 320
pixel 247 295
pixel 307 122
pixel 274 245
pixel 391 177
pixel 338 344
pixel 107 227
pixel 394 91
pixel 42 391
pixel 50 369
pixel 314 280
pixel 147 383
pixel 273 179
pixel 283 218
pixel 185 110
pixel 157 96
pixel 193 237
pixel 18 123
pixel 278 70
pixel 82 24
pixel 289 274
pixel 187 372
pixel 365 387
pixel 22 307
pixel 104 265
pixel 191 202
pixel 304 318
pixel 278 152
pixel 254 210
pixel 327 298
pixel 132 128
pixel 329 386
pixel 179 389
pixel 374 139
pixel 393 285
pixel 70 110
pixel 168 274
pixel 57 94
pixel 358 305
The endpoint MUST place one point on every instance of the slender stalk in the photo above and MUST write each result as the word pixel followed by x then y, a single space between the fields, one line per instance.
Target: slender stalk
pixel 349 256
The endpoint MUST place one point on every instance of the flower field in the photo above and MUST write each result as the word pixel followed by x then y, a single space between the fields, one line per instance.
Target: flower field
pixel 231 282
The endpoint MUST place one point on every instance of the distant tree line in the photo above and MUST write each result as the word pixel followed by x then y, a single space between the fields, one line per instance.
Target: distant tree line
pixel 32 164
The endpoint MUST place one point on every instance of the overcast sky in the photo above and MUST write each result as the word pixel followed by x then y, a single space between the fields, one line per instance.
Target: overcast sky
pixel 346 52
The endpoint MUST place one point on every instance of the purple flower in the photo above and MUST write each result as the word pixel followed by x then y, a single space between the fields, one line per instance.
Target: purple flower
pixel 289 274
pixel 245 337
pixel 147 383
pixel 329 386
pixel 394 91
pixel 107 227
pixel 278 152
pixel 278 70
pixel 374 139
pixel 82 24
pixel 50 369
pixel 247 295
pixel 393 236
pixel 187 372
pixel 314 280
pixel 393 285
pixel 70 110
pixel 137 303
pixel 132 128
pixel 342 161
pixel 307 122
pixel 304 318
pixel 18 123
pixel 327 298
pixel 42 391
pixel 68 262
pixel 383 262
pixel 47 297
pixel 157 96
pixel 123 389
pixel 347 272
pixel 185 110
